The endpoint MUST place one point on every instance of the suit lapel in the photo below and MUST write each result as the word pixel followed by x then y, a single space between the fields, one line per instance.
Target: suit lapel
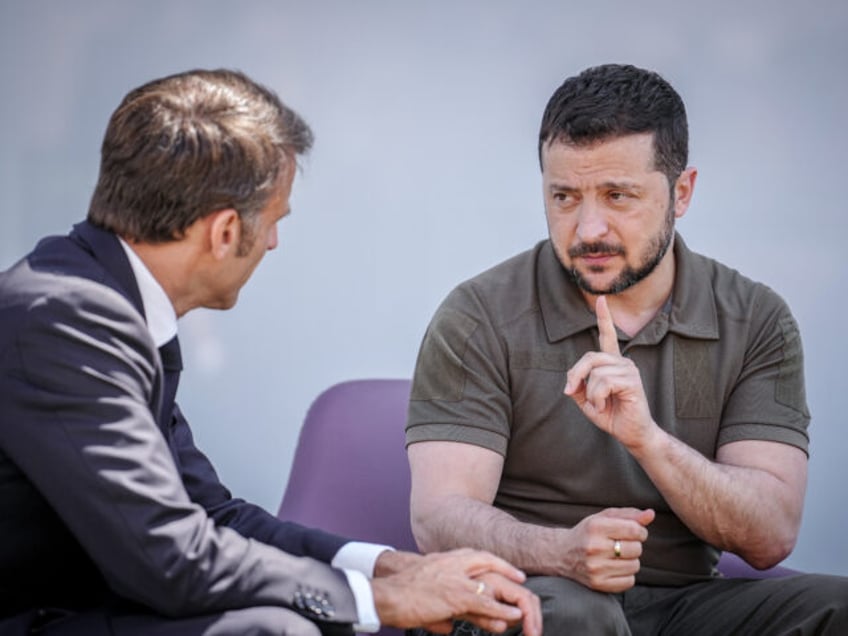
pixel 105 248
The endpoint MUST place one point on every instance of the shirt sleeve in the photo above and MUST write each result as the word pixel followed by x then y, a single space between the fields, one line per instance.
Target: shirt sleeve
pixel 768 399
pixel 357 560
pixel 461 389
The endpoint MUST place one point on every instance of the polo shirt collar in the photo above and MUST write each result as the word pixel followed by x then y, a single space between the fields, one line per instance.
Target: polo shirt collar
pixel 565 312
pixel 693 306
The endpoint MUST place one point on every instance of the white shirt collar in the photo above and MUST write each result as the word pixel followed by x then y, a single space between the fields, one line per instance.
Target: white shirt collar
pixel 161 317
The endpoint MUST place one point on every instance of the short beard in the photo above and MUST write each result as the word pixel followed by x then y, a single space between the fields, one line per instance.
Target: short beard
pixel 629 276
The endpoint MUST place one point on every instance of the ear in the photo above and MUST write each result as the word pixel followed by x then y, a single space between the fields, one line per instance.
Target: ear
pixel 224 233
pixel 684 187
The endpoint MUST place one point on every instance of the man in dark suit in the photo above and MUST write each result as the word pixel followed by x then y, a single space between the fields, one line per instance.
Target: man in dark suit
pixel 113 521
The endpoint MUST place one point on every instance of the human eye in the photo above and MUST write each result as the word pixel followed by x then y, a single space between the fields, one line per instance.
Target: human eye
pixel 620 197
pixel 563 197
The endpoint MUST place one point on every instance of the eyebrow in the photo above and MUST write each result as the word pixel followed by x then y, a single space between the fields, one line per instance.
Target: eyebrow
pixel 606 185
pixel 621 185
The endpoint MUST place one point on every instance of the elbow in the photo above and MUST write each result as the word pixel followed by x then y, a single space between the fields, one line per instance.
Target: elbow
pixel 771 550
pixel 424 543
pixel 772 556
pixel 764 561
pixel 175 607
pixel 155 594
pixel 175 584
pixel 165 595
pixel 424 536
pixel 430 524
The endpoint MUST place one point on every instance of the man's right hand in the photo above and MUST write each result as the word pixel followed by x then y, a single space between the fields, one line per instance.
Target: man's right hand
pixel 460 584
pixel 604 549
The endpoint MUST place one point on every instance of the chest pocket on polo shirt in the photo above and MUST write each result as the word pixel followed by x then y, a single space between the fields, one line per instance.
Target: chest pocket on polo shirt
pixel 694 380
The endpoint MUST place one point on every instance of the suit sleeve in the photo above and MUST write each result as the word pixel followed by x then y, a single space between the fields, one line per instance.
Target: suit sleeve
pixel 249 520
pixel 79 388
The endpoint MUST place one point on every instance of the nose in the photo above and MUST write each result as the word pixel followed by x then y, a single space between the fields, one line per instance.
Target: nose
pixel 591 222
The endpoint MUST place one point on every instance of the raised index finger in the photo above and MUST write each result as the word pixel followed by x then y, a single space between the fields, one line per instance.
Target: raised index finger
pixel 606 327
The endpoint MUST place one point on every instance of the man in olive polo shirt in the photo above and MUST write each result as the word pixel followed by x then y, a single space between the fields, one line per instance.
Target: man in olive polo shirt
pixel 609 410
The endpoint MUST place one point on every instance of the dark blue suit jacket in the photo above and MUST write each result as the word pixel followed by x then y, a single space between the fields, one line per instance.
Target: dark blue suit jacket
pixel 100 497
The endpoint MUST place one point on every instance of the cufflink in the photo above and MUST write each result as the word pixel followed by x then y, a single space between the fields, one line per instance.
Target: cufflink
pixel 313 602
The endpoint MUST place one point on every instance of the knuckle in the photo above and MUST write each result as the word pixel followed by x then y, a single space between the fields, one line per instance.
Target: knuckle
pixel 594 523
pixel 593 570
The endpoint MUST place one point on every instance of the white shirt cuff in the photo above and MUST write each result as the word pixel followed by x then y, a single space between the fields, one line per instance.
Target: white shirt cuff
pixel 357 560
pixel 359 556
pixel 368 622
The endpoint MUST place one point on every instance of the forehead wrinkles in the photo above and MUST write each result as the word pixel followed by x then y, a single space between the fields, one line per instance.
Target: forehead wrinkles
pixel 631 155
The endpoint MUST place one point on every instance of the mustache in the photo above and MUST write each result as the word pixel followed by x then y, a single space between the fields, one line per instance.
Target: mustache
pixel 596 249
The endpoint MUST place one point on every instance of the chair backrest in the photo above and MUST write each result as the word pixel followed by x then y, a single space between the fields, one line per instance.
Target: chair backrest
pixel 350 474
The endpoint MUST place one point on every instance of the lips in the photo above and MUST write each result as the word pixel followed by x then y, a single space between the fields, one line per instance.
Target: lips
pixel 597 258
pixel 595 250
pixel 597 265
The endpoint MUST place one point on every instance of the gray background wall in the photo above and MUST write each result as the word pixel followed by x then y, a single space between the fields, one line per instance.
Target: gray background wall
pixel 424 173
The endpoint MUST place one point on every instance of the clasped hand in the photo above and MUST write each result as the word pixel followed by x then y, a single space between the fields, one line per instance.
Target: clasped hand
pixel 604 550
pixel 433 590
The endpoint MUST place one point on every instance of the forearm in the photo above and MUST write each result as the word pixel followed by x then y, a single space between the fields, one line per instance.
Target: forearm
pixel 743 509
pixel 460 521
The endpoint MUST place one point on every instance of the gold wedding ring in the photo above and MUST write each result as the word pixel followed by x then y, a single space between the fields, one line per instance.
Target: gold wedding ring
pixel 481 587
pixel 616 548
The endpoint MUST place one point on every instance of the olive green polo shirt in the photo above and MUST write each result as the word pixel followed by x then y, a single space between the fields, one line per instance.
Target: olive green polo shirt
pixel 722 363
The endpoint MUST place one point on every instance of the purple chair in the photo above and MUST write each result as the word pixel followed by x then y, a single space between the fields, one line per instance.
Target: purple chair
pixel 350 474
pixel 732 566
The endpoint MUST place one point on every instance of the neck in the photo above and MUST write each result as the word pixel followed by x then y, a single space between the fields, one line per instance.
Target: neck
pixel 169 264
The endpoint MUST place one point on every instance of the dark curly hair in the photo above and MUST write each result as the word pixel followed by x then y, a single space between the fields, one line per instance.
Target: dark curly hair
pixel 613 100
